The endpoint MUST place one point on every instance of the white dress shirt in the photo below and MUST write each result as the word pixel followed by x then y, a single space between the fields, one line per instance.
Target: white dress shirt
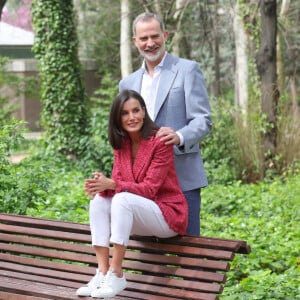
pixel 149 91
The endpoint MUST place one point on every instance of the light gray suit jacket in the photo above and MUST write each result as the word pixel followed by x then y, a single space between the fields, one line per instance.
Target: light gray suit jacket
pixel 182 104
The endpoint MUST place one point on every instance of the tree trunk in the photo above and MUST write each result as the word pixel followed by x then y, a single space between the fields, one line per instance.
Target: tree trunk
pixel 157 7
pixel 2 3
pixel 241 64
pixel 266 65
pixel 280 65
pixel 217 84
pixel 125 39
pixel 180 4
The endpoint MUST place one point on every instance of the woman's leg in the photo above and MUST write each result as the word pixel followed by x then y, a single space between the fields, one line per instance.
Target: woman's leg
pixel 133 214
pixel 100 230
pixel 117 259
pixel 102 255
pixel 130 213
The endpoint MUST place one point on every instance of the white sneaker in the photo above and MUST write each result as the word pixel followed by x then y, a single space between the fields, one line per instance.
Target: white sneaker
pixel 93 284
pixel 110 287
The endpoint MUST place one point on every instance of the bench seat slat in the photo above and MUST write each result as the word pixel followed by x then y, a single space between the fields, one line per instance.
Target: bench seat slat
pixel 186 250
pixel 27 221
pixel 10 296
pixel 48 233
pixel 172 293
pixel 179 260
pixel 205 242
pixel 29 276
pixel 44 266
pixel 46 243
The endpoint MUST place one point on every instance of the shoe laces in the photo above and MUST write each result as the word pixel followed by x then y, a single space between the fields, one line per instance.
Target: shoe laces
pixel 95 281
pixel 107 279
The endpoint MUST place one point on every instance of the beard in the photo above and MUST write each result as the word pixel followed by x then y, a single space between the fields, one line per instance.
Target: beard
pixel 153 57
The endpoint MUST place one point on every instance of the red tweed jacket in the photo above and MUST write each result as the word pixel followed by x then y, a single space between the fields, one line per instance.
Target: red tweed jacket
pixel 153 176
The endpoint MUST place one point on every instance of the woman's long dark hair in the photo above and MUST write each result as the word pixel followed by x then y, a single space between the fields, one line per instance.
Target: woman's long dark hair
pixel 116 134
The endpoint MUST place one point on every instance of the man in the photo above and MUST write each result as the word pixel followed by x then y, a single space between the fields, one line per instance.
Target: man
pixel 176 99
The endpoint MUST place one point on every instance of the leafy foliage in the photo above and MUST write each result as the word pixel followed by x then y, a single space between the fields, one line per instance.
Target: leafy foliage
pixel 267 216
pixel 99 33
pixel 218 149
pixel 65 104
pixel 64 197
pixel 20 187
pixel 7 80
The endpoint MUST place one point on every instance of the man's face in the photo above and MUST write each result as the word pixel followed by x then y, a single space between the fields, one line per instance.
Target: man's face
pixel 150 40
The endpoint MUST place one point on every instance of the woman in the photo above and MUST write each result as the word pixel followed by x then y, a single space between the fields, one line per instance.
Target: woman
pixel 143 196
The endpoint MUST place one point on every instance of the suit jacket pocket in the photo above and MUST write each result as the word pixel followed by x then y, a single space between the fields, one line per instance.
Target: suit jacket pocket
pixel 181 150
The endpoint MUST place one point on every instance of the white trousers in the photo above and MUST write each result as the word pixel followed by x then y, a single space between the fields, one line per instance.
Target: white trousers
pixel 113 220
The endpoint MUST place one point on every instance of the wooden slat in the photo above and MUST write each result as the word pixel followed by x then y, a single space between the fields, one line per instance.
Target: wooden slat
pixel 10 296
pixel 172 293
pixel 55 234
pixel 184 250
pixel 46 243
pixel 44 223
pixel 49 259
pixel 178 260
pixel 49 253
pixel 44 266
pixel 29 276
pixel 41 290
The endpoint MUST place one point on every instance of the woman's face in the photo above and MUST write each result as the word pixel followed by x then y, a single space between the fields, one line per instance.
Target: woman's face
pixel 132 117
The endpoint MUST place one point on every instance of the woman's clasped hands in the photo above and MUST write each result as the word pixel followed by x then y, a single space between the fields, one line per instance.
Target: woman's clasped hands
pixel 98 184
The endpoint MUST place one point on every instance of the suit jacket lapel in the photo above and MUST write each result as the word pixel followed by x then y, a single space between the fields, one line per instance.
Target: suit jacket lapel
pixel 168 74
pixel 143 157
pixel 126 162
pixel 137 83
pixel 132 172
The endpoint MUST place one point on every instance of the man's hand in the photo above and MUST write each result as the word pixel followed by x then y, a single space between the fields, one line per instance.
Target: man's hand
pixel 168 135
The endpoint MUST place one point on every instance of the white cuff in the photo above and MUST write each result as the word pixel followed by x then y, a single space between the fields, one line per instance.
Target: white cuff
pixel 180 138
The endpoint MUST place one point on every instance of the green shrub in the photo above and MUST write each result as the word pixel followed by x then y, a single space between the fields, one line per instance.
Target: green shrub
pixel 20 186
pixel 64 199
pixel 217 147
pixel 267 216
pixel 7 80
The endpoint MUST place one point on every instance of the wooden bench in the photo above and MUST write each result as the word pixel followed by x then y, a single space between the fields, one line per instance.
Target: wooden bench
pixel 48 259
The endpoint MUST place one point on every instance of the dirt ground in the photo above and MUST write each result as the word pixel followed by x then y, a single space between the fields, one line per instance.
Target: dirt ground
pixel 17 158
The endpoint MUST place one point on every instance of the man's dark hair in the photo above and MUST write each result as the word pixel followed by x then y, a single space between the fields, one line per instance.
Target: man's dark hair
pixel 144 17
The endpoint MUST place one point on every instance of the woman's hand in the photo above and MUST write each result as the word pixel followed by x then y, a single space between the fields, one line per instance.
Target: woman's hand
pixel 98 184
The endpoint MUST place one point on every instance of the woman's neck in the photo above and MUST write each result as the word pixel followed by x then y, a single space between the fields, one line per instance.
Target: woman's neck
pixel 135 138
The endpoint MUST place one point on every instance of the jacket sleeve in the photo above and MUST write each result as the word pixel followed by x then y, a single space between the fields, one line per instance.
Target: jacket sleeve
pixel 154 176
pixel 198 112
pixel 115 175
